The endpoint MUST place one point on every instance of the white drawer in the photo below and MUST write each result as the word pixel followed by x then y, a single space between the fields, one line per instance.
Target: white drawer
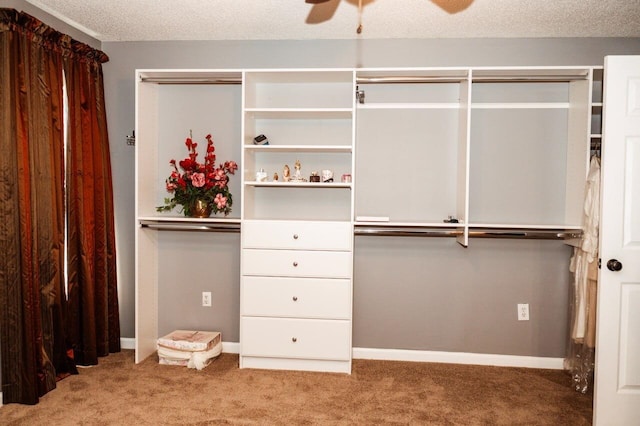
pixel 296 338
pixel 297 263
pixel 301 235
pixel 296 297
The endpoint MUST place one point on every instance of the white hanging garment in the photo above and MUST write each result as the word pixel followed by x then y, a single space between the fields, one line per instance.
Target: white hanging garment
pixel 585 257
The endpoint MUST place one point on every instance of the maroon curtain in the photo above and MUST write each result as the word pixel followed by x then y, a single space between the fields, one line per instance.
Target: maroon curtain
pixel 93 297
pixel 36 320
pixel 32 296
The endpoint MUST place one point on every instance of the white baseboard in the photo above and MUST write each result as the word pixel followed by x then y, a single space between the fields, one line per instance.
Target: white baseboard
pixel 459 358
pixel 421 356
pixel 127 343
pixel 231 347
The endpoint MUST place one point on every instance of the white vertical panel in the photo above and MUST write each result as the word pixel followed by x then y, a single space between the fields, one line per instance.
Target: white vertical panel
pixel 632 193
pixel 633 103
pixel 630 342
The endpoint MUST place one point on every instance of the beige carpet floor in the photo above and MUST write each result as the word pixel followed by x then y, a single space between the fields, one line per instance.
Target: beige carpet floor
pixel 119 392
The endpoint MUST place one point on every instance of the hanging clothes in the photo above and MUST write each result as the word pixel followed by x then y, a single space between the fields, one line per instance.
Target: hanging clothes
pixel 584 265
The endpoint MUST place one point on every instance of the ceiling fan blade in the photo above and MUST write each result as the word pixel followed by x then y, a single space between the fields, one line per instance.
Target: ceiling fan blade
pixel 322 10
pixel 453 6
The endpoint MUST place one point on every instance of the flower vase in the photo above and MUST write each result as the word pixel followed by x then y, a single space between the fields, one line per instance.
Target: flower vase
pixel 200 208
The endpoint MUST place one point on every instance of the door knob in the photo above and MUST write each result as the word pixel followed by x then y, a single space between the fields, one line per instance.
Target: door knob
pixel 614 265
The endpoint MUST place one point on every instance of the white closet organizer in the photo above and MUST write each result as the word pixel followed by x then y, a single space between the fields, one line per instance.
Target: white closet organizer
pixel 501 151
pixel 297 236
pixel 170 103
pixel 462 152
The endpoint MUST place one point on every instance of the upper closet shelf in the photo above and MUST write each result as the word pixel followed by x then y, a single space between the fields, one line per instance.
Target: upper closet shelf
pixel 190 76
pixel 521 105
pixel 299 148
pixel 303 113
pixel 532 74
pixel 408 105
pixel 299 184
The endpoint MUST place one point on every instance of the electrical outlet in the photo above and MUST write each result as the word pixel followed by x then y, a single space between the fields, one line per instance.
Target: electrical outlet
pixel 523 312
pixel 206 298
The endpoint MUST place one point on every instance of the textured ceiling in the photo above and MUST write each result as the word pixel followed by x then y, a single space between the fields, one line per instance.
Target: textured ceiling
pixel 138 20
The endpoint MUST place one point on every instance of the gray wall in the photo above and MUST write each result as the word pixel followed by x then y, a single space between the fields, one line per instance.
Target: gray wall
pixel 411 293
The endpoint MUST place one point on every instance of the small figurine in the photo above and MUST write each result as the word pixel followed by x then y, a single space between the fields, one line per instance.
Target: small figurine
pixel 275 177
pixel 297 176
pixel 286 173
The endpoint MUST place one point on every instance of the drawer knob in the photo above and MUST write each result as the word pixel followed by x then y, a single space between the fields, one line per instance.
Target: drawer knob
pixel 295 264
pixel 294 339
pixel 295 236
pixel 295 298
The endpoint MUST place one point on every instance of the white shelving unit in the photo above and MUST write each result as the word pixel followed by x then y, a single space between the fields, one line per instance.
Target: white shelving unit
pixel 497 149
pixel 170 103
pixel 297 236
pixel 459 152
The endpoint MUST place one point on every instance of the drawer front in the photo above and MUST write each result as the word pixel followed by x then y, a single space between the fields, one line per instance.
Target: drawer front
pixel 296 338
pixel 301 235
pixel 296 297
pixel 297 263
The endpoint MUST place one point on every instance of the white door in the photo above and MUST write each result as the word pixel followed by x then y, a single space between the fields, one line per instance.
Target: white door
pixel 617 370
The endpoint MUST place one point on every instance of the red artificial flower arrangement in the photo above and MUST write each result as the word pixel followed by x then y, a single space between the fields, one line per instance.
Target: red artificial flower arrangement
pixel 203 184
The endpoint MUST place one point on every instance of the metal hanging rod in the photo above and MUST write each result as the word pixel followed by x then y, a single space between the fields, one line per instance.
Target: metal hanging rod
pixel 183 226
pixel 531 79
pixel 478 79
pixel 378 80
pixel 406 231
pixel 538 234
pixel 535 234
pixel 401 80
pixel 202 80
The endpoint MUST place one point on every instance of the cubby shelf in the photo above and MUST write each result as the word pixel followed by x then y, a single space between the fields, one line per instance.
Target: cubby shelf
pixel 315 185
pixel 299 148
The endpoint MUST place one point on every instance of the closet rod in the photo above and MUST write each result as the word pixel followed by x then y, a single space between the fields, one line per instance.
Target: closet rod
pixel 408 79
pixel 530 79
pixel 205 80
pixel 208 227
pixel 380 80
pixel 479 79
pixel 538 234
pixel 406 232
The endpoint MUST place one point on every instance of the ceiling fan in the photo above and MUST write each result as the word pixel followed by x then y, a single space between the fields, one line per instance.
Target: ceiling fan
pixel 323 10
